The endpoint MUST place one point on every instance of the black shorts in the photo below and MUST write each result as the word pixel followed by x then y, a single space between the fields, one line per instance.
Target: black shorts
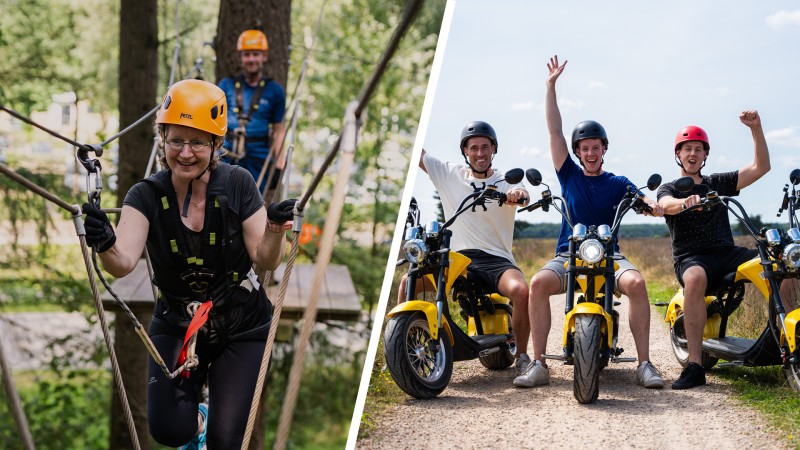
pixel 486 269
pixel 717 264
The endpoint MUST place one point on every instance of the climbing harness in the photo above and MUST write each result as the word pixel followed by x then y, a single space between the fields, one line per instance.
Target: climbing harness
pixel 239 135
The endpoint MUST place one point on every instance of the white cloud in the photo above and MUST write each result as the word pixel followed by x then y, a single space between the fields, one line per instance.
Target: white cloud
pixel 789 136
pixel 522 106
pixel 784 19
pixel 531 152
pixel 597 85
pixel 566 105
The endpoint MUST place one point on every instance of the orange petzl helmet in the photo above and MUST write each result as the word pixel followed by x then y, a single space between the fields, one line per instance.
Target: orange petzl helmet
pixel 252 40
pixel 196 104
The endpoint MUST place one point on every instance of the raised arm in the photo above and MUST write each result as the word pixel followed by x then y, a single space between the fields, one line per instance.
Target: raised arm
pixel 421 161
pixel 559 151
pixel 751 173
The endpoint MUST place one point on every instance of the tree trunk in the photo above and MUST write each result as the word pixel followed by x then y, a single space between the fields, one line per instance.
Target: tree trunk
pixel 138 80
pixel 273 17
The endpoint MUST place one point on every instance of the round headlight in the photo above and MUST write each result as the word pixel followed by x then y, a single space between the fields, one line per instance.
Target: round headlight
pixel 415 250
pixel 591 251
pixel 791 256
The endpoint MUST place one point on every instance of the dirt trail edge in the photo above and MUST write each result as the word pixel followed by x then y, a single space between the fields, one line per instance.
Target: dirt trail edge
pixel 482 409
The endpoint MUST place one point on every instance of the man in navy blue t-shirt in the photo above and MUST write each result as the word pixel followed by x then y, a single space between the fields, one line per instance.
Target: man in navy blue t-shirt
pixel 257 106
pixel 591 194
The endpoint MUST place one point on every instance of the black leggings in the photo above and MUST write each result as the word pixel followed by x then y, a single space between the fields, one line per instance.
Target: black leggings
pixel 230 347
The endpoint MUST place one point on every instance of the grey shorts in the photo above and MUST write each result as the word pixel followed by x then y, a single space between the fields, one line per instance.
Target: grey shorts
pixel 556 265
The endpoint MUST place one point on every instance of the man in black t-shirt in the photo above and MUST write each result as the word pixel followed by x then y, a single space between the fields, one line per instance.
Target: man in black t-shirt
pixel 702 242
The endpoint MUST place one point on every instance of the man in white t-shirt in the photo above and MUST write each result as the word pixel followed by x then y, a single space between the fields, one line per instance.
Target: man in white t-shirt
pixel 484 236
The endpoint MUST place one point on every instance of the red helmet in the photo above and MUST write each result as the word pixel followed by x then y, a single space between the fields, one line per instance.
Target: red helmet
pixel 692 133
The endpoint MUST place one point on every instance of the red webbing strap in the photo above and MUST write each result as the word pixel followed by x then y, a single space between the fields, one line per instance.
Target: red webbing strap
pixel 200 318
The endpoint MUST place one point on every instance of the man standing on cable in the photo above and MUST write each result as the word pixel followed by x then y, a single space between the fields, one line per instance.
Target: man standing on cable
pixel 255 127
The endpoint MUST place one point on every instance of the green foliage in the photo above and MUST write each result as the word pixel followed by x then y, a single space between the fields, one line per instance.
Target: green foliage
pixel 764 388
pixel 352 38
pixel 36 39
pixel 62 411
pixel 326 398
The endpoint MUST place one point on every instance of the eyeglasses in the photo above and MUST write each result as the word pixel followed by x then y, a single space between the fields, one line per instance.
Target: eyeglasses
pixel 196 145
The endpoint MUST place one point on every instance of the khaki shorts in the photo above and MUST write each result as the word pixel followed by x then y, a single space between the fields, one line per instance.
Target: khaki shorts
pixel 556 265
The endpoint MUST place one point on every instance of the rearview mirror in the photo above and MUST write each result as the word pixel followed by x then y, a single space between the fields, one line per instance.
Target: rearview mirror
pixel 654 182
pixel 684 184
pixel 533 176
pixel 794 177
pixel 514 176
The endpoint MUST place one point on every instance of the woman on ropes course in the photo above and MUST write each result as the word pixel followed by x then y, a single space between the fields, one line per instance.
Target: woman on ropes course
pixel 204 225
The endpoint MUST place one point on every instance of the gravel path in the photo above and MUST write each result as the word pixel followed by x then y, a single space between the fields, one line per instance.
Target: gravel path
pixel 482 409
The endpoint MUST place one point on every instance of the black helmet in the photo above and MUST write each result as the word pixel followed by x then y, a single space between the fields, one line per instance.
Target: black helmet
pixel 478 128
pixel 588 129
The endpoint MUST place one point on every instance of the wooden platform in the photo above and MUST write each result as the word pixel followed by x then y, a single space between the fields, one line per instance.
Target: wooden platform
pixel 338 299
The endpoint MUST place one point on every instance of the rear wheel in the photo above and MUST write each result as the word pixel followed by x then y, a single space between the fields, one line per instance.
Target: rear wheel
pixel 499 360
pixel 587 358
pixel 420 366
pixel 677 338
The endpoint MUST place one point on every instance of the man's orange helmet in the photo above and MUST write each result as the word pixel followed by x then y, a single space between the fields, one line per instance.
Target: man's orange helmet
pixel 196 104
pixel 252 40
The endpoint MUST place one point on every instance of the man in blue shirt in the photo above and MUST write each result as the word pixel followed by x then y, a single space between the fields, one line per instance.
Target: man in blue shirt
pixel 591 194
pixel 258 105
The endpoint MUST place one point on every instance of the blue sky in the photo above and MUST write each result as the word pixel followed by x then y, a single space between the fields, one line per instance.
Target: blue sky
pixel 642 69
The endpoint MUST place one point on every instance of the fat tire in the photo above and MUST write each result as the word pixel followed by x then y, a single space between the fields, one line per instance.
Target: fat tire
pixel 587 358
pixel 682 353
pixel 405 332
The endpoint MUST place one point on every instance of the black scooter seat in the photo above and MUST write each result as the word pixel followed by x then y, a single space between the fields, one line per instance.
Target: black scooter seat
pixel 724 283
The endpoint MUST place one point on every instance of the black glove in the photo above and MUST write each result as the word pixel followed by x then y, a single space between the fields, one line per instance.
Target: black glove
pixel 281 212
pixel 99 233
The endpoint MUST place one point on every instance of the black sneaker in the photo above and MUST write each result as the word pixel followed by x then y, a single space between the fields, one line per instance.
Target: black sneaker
pixel 692 376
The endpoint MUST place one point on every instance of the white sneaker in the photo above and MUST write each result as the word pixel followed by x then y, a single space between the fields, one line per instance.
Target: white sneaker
pixel 522 363
pixel 647 375
pixel 536 375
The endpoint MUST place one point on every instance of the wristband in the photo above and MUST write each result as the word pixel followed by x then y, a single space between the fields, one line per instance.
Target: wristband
pixel 279 227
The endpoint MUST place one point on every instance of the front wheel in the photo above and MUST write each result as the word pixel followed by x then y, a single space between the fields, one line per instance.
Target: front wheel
pixel 677 337
pixel 587 358
pixel 420 366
